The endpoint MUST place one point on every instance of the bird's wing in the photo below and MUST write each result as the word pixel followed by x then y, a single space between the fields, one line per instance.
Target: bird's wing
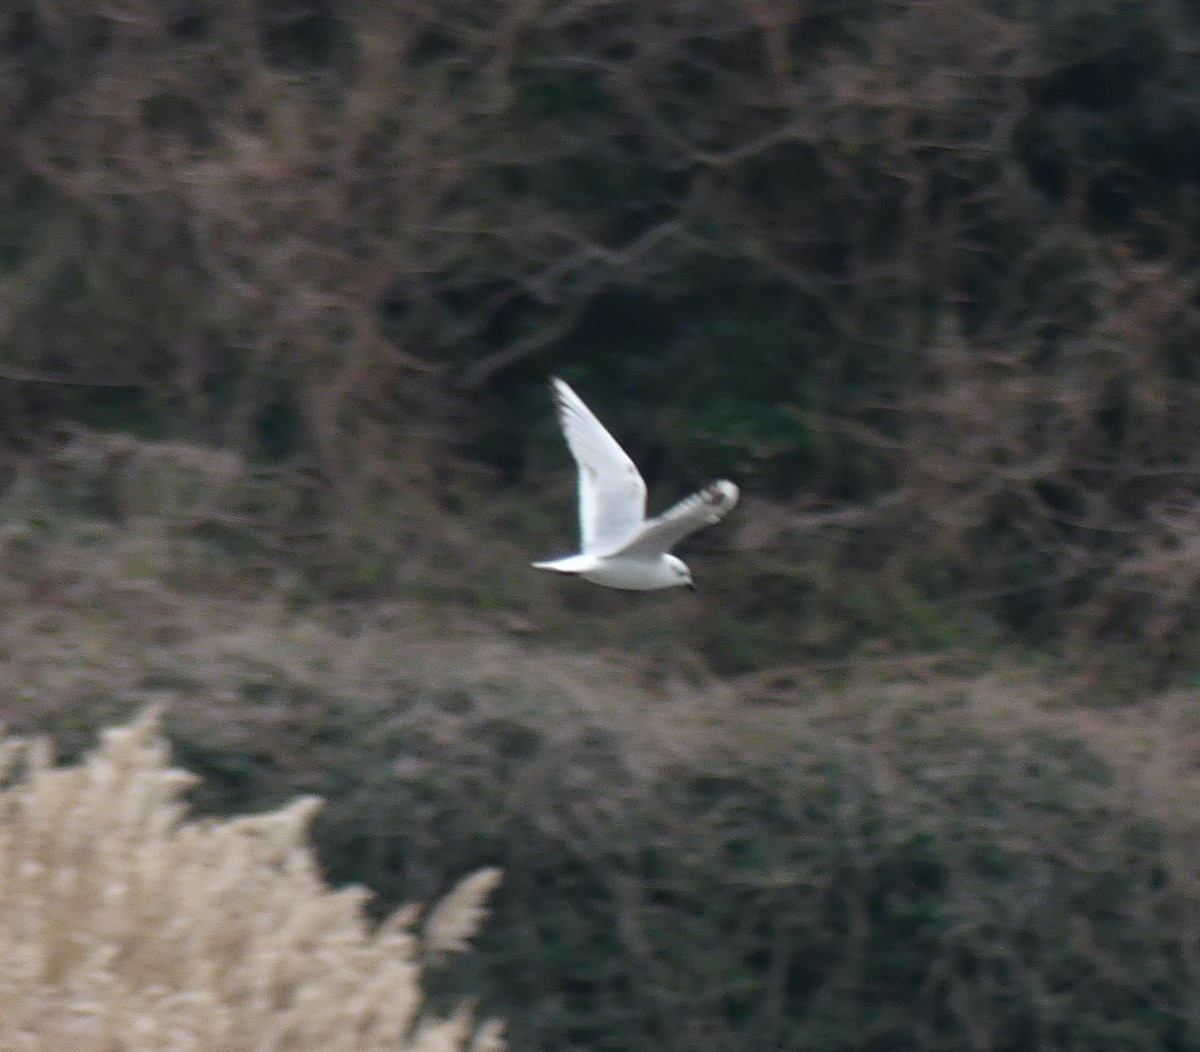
pixel 612 495
pixel 701 509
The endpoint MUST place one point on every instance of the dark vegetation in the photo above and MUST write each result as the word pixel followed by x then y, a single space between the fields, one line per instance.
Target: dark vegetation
pixel 840 894
pixel 922 273
pixel 280 283
pixel 919 857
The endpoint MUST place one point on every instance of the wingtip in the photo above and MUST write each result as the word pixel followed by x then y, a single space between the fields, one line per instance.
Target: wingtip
pixel 560 391
pixel 725 494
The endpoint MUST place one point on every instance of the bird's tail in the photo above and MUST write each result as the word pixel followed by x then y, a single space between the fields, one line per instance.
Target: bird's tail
pixel 570 564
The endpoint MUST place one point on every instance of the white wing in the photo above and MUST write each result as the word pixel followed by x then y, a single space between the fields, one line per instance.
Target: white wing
pixel 612 495
pixel 701 509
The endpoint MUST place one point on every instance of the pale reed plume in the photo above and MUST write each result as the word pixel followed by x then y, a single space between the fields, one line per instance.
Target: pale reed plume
pixel 454 921
pixel 124 926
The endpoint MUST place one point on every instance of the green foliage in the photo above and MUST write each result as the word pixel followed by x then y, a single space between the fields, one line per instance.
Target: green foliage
pixel 750 374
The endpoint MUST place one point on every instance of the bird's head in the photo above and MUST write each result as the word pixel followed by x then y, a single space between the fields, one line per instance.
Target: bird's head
pixel 679 572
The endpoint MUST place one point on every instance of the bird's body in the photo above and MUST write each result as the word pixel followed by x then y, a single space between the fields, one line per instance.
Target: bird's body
pixel 621 548
pixel 629 572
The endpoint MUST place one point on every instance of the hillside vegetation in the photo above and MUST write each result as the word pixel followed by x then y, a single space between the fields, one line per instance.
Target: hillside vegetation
pixel 280 285
pixel 923 854
pixel 920 274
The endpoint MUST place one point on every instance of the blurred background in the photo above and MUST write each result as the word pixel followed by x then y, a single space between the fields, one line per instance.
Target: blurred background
pixel 916 768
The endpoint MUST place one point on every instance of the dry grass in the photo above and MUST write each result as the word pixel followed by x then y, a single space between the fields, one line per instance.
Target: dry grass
pixel 446 739
pixel 123 925
pixel 103 618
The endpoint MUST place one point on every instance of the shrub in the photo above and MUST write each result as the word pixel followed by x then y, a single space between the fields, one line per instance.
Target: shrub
pixel 984 895
pixel 124 926
pixel 876 869
pixel 926 266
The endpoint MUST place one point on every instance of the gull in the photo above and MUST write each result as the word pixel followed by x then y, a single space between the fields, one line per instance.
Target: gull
pixel 621 548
